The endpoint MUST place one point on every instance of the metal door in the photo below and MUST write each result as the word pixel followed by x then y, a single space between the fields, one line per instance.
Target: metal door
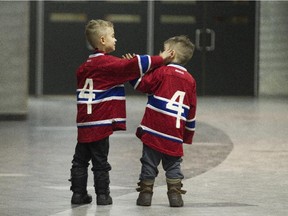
pixel 180 18
pixel 229 48
pixel 224 35
pixel 65 46
pixel 223 31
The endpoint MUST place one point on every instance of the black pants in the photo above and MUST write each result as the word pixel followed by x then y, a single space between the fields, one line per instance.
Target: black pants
pixel 97 152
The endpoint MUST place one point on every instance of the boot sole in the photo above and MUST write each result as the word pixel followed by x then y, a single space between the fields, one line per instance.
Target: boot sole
pixel 144 204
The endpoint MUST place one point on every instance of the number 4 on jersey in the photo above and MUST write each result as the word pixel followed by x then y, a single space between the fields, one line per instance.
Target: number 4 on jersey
pixel 87 93
pixel 177 106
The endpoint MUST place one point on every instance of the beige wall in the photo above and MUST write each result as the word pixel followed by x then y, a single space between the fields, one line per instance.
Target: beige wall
pixel 273 56
pixel 14 46
pixel 14 39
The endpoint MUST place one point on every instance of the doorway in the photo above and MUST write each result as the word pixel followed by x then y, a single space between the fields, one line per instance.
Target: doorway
pixel 224 32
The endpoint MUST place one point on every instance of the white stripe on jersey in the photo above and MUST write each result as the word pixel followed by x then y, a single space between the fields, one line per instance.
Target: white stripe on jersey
pixel 164 112
pixel 101 122
pixel 96 55
pixel 102 100
pixel 161 134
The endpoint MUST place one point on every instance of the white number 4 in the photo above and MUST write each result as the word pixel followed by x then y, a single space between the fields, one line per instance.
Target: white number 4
pixel 177 106
pixel 87 93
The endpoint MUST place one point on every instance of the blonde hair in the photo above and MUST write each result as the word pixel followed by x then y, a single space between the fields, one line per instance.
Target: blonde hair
pixel 95 29
pixel 183 47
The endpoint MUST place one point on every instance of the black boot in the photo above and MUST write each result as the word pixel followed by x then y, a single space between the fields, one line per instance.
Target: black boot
pixel 81 199
pixel 146 192
pixel 102 189
pixel 79 186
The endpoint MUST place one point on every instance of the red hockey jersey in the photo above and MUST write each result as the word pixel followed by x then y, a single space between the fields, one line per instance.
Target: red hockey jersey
pixel 100 93
pixel 169 118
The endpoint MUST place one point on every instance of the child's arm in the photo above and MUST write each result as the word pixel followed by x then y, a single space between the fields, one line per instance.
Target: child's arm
pixel 146 63
pixel 123 70
pixel 147 83
pixel 191 120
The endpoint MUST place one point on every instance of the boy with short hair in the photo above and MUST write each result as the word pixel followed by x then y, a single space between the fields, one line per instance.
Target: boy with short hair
pixel 101 108
pixel 168 121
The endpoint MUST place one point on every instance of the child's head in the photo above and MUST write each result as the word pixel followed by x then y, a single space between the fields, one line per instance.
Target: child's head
pixel 100 35
pixel 183 48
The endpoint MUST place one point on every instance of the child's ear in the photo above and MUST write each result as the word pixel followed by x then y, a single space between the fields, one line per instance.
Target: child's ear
pixel 173 54
pixel 102 40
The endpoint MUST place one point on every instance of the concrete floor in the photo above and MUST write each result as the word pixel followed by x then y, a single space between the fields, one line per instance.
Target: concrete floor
pixel 238 164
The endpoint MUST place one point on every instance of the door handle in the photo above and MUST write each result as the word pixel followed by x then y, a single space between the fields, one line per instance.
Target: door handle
pixel 197 39
pixel 212 41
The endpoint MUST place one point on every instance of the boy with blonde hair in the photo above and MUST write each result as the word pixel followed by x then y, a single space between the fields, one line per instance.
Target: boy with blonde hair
pixel 101 108
pixel 168 121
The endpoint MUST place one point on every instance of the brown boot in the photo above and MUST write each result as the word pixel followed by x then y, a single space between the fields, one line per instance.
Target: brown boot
pixel 146 191
pixel 175 193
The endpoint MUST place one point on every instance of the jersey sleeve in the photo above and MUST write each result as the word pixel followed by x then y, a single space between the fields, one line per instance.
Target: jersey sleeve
pixel 134 68
pixel 191 120
pixel 147 83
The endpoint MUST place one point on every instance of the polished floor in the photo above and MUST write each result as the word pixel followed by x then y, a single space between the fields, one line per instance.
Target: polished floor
pixel 237 166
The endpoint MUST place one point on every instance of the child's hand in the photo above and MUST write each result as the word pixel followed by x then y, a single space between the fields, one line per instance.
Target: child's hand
pixel 167 55
pixel 128 56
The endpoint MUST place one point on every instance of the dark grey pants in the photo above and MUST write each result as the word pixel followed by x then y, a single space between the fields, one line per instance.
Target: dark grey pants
pixel 151 159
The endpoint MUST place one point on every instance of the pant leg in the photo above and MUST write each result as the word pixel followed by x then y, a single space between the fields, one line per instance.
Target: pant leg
pixel 172 166
pixel 150 160
pixel 101 166
pixel 82 154
pixel 99 155
pixel 79 170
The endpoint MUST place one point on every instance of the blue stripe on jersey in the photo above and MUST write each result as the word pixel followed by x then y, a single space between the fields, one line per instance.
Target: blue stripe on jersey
pixel 133 82
pixel 145 63
pixel 162 105
pixel 162 135
pixel 117 91
pixel 191 124
pixel 93 125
